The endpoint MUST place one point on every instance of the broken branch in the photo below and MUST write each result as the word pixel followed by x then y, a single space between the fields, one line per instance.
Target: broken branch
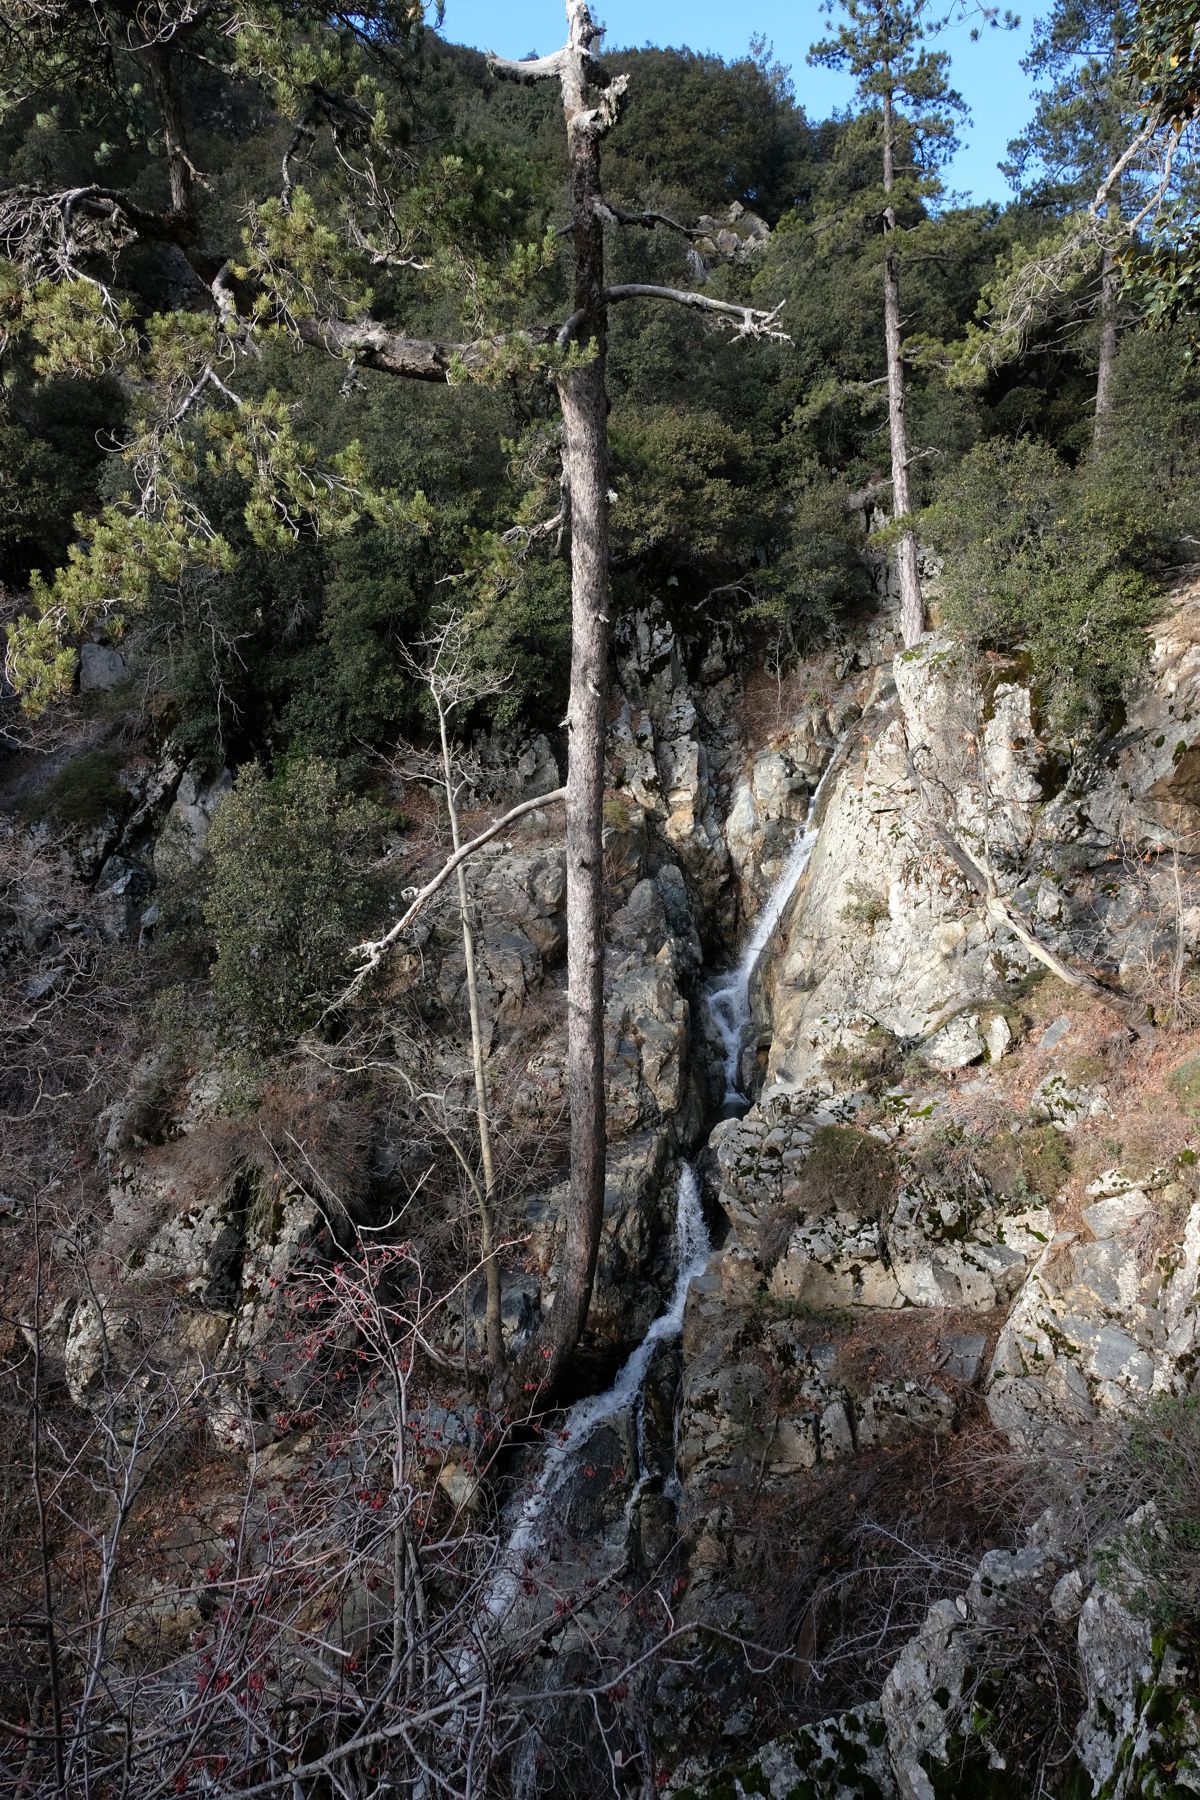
pixel 373 952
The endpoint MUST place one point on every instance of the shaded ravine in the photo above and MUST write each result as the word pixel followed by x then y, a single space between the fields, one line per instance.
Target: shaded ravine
pixel 727 998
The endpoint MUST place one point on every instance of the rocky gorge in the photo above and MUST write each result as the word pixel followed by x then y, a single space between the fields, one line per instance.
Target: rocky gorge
pixel 901 1245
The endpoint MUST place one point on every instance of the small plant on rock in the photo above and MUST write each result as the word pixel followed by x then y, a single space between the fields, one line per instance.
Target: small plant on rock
pixel 865 906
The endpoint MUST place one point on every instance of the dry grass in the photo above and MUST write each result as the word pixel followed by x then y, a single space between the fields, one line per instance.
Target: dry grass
pixel 908 1344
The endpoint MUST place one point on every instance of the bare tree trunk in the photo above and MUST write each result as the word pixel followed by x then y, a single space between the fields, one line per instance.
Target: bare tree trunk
pixel 1110 287
pixel 166 94
pixel 585 437
pixel 494 1322
pixel 912 606
pixel 583 405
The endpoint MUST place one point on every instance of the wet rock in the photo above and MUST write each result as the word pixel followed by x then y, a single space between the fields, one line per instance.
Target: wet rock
pixel 767 805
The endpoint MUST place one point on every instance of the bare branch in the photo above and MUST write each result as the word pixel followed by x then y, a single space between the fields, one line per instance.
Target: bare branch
pixel 1132 150
pixel 538 68
pixel 752 321
pixel 374 952
pixel 617 215
pixel 373 346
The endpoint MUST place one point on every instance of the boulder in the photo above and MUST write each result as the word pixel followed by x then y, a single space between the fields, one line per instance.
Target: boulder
pixel 181 841
pixel 101 668
pixel 1098 1325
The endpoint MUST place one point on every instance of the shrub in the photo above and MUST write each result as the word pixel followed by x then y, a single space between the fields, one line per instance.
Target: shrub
pixel 1184 1083
pixel 288 894
pixel 1160 1464
pixel 84 791
pixel 873 1061
pixel 851 1169
pixel 1025 1165
pixel 1040 558
pixel 35 499
pixel 865 906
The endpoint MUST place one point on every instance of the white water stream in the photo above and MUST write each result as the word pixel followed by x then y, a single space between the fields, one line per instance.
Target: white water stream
pixel 729 996
pixel 692 1251
pixel 729 1004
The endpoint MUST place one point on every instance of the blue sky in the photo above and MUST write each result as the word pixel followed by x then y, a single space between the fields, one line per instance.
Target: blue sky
pixel 988 74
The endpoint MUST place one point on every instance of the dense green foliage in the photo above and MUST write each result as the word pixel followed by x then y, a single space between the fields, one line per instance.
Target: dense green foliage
pixel 342 507
pixel 1060 558
pixel 289 887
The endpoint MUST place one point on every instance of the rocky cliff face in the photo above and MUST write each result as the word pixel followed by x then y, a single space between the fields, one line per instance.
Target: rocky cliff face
pixel 929 1216
pixel 957 1219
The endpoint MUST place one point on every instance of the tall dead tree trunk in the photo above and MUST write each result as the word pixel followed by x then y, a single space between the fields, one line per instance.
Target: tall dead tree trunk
pixel 912 605
pixel 584 402
pixel 1110 268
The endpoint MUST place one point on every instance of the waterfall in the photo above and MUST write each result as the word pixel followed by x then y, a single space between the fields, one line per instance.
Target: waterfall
pixel 692 1250
pixel 729 996
pixel 729 1004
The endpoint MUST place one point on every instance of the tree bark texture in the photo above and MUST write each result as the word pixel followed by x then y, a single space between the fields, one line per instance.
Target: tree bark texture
pixel 912 605
pixel 166 94
pixel 584 403
pixel 1110 287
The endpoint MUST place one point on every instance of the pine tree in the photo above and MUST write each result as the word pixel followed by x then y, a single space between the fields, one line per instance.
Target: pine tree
pixel 910 110
pixel 1085 115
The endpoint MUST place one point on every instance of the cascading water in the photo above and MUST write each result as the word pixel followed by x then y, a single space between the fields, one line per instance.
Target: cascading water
pixel 729 1005
pixel 692 1250
pixel 520 1569
pixel 729 996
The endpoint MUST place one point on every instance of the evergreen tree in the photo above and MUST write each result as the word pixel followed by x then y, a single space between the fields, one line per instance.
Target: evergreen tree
pixel 1084 118
pixel 1165 62
pixel 909 110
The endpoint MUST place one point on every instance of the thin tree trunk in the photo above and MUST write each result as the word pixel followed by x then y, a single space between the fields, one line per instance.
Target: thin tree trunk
pixel 912 606
pixel 1110 287
pixel 166 94
pixel 494 1321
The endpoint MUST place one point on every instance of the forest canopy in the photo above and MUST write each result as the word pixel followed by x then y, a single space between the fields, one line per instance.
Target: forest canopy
pixel 284 529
